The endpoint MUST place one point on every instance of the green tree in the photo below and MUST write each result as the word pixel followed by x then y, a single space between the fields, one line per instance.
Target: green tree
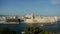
pixel 6 31
pixel 35 30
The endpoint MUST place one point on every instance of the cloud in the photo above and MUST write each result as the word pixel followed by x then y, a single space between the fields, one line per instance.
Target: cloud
pixel 55 1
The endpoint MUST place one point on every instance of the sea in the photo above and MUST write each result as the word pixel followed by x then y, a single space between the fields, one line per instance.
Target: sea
pixel 18 28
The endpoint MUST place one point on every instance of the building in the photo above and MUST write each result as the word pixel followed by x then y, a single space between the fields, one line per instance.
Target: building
pixel 30 18
pixel 2 19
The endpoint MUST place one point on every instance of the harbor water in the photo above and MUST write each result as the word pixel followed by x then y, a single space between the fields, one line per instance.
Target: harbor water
pixel 20 27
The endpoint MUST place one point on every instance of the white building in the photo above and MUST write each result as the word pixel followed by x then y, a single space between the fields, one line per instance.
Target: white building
pixel 11 17
pixel 29 18
pixel 2 19
pixel 39 19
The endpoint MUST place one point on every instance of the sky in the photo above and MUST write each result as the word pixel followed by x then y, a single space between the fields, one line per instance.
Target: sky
pixel 23 7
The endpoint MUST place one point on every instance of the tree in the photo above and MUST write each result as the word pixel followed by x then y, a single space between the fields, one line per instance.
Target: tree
pixel 34 30
pixel 6 31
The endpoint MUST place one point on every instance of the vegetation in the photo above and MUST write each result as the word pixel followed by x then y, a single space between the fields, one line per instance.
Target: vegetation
pixel 6 31
pixel 35 30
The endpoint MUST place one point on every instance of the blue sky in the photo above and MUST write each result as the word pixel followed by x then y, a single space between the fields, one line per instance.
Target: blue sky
pixel 22 7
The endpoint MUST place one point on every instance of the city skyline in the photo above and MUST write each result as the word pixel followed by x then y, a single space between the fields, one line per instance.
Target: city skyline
pixel 22 7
